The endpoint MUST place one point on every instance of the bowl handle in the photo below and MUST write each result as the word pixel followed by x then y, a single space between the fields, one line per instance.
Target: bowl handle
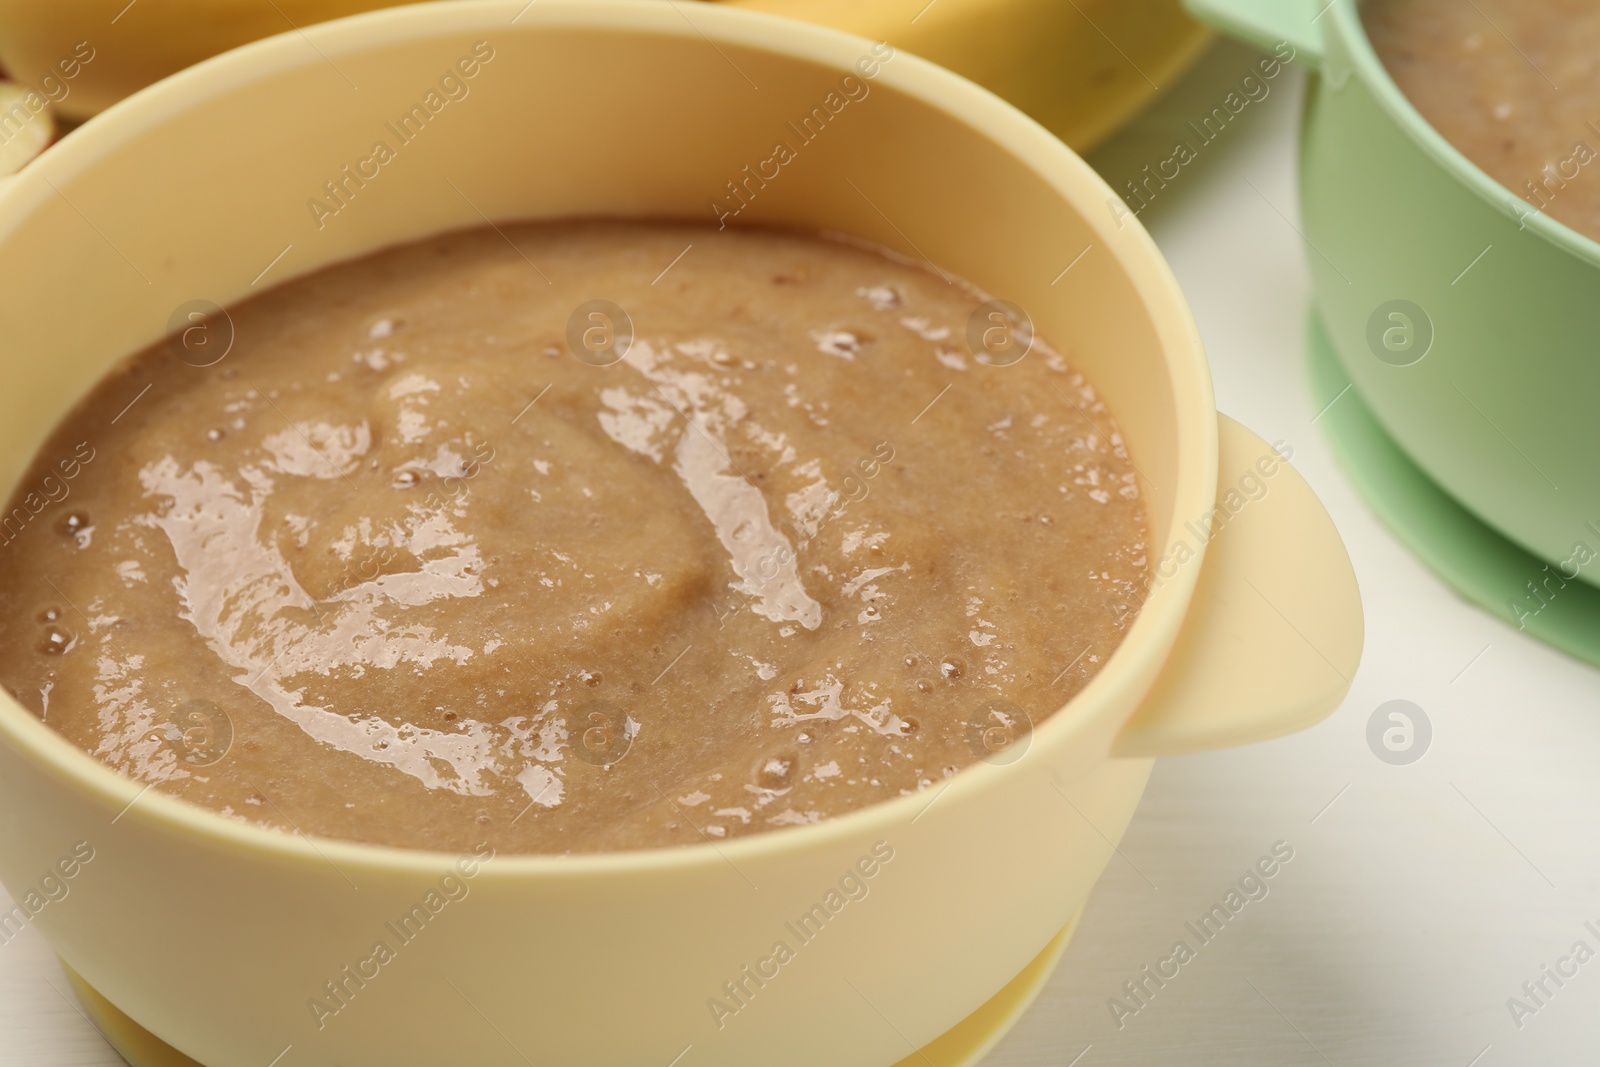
pixel 1266 23
pixel 1274 629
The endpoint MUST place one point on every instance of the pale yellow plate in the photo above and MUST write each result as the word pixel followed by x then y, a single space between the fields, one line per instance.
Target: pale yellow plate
pixel 963 1045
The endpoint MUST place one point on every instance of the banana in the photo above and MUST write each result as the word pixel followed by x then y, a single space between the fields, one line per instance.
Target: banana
pixel 27 125
pixel 1080 67
pixel 139 42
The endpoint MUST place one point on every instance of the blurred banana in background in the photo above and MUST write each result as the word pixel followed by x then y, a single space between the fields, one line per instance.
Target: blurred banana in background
pixel 1081 67
pixel 27 126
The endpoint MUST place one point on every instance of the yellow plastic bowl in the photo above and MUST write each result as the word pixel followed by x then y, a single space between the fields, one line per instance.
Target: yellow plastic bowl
pixel 215 936
pixel 1082 69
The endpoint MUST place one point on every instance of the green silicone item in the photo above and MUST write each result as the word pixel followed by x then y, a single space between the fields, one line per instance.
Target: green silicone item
pixel 1479 563
pixel 1468 321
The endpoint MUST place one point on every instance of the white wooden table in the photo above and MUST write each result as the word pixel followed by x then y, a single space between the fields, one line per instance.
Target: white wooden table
pixel 1420 897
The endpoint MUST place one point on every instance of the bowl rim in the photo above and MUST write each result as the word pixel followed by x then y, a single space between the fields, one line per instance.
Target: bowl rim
pixel 1129 671
pixel 1399 108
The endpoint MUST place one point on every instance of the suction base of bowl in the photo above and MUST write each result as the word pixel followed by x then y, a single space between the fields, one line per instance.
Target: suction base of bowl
pixel 971 1039
pixel 1480 563
pixel 963 1045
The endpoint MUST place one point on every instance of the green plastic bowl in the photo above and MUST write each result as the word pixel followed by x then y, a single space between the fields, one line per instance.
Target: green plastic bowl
pixel 1467 322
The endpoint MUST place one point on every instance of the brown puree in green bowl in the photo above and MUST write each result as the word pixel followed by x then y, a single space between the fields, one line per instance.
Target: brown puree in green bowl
pixel 1513 84
pixel 402 568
